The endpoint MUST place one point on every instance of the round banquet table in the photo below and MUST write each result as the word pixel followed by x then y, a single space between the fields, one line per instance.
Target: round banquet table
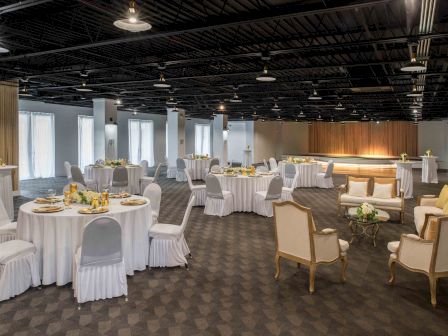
pixel 243 189
pixel 307 173
pixel 103 177
pixel 58 235
pixel 197 167
pixel 404 173
pixel 429 169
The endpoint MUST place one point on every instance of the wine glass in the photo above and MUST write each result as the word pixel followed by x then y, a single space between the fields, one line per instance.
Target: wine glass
pixel 51 195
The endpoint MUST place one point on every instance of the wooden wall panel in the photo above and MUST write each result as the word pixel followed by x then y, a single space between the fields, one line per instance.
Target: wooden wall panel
pixel 365 138
pixel 9 126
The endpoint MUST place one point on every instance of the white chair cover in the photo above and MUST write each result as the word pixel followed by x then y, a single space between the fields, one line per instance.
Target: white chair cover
pixel 213 162
pixel 325 180
pixel 266 164
pixel 288 191
pixel 168 247
pixel 154 193
pixel 120 179
pixel 273 164
pixel 99 268
pixel 290 174
pixel 68 172
pixel 19 268
pixel 180 173
pixel 7 228
pixel 144 165
pixel 218 202
pixel 147 180
pixel 198 190
pixel 263 199
pixel 78 177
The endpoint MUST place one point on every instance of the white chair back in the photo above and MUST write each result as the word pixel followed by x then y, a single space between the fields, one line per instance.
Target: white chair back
pixel 215 169
pixel 120 177
pixel 77 175
pixel 213 162
pixel 180 164
pixel 79 185
pixel 157 173
pixel 262 169
pixel 101 243
pixel 294 181
pixel 265 164
pixel 275 188
pixel 290 170
pixel 145 166
pixel 154 193
pixel 213 187
pixel 67 167
pixel 441 264
pixel 273 163
pixel 187 214
pixel 293 227
pixel 4 217
pixel 330 167
pixel 190 182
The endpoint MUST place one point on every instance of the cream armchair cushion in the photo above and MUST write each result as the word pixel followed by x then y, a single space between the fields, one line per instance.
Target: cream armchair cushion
pixel 382 190
pixel 420 213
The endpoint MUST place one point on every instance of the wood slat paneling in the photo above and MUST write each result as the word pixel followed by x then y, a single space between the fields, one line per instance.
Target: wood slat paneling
pixel 365 138
pixel 9 126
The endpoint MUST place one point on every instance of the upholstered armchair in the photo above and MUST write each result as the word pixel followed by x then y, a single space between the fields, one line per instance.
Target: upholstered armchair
pixel 427 253
pixel 298 240
pixel 426 204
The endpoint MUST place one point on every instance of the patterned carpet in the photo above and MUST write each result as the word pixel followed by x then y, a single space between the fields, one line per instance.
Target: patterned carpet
pixel 230 290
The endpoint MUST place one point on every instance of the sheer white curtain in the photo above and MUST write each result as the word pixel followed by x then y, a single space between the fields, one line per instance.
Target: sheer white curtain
pixel 202 139
pixel 85 141
pixel 36 145
pixel 141 141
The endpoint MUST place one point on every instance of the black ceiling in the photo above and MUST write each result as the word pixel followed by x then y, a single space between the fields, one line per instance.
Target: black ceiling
pixel 349 51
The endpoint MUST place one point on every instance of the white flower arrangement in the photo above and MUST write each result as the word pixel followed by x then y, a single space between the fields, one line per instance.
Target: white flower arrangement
pixel 84 197
pixel 366 211
pixel 404 156
pixel 428 152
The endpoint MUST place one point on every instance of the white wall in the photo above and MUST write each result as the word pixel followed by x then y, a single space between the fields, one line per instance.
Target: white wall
pixel 189 133
pixel 66 129
pixel 434 135
pixel 240 136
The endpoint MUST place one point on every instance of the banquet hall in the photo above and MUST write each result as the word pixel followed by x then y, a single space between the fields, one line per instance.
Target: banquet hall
pixel 223 167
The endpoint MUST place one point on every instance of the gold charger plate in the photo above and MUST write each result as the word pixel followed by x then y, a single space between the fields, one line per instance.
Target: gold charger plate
pixel 90 211
pixel 47 200
pixel 134 201
pixel 48 209
pixel 121 195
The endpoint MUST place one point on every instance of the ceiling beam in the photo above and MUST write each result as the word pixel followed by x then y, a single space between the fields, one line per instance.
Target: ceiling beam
pixel 21 5
pixel 165 34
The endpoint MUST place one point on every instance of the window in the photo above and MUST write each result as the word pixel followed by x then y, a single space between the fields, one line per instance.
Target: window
pixel 202 139
pixel 85 141
pixel 141 141
pixel 36 145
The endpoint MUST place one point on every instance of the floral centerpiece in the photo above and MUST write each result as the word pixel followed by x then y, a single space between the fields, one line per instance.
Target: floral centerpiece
pixel 2 164
pixel 298 160
pixel 116 163
pixel 200 157
pixel 366 212
pixel 404 157
pixel 84 196
pixel 428 152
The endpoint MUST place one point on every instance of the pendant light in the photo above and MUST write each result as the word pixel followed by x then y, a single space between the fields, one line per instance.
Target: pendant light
pixel 301 114
pixel 171 101
pixel 265 76
pixel 162 84
pixel 314 96
pixel 276 108
pixel 24 92
pixel 339 107
pixel 354 112
pixel 221 106
pixel 3 50
pixel 118 102
pixel 83 87
pixel 132 23
pixel 319 118
pixel 415 92
pixel 415 105
pixel 413 65
pixel 235 99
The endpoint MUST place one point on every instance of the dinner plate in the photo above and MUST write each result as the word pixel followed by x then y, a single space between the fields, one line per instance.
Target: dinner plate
pixel 48 209
pixel 91 211
pixel 133 202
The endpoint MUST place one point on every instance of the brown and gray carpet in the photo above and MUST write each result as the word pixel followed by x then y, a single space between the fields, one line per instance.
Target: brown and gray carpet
pixel 230 290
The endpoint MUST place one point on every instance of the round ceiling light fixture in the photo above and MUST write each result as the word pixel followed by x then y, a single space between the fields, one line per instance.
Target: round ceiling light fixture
pixel 171 101
pixel 118 102
pixel 319 118
pixel 265 76
pixel 83 87
pixel 276 108
pixel 3 50
pixel 354 112
pixel 415 92
pixel 314 96
pixel 301 114
pixel 24 92
pixel 235 99
pixel 132 23
pixel 339 107
pixel 162 84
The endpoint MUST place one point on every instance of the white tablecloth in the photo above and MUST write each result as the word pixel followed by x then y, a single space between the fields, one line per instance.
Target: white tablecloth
pixel 243 189
pixel 429 169
pixel 103 177
pixel 58 235
pixel 307 173
pixel 404 173
pixel 6 189
pixel 197 168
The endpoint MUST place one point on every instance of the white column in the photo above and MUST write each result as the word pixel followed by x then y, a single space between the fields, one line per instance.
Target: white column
pixel 176 139
pixel 105 129
pixel 219 143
